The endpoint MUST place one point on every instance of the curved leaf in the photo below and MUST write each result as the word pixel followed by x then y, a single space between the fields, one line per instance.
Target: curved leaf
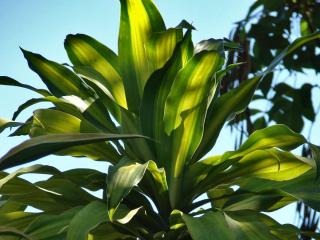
pixel 84 50
pixel 48 121
pixel 41 146
pixel 48 226
pixel 5 123
pixel 60 80
pixel 9 231
pixel 40 169
pixel 126 175
pixel 279 136
pixel 85 220
pixel 228 226
pixel 4 80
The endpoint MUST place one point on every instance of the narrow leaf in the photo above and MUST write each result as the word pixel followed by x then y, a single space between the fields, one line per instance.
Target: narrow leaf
pixel 5 123
pixel 41 146
pixel 4 80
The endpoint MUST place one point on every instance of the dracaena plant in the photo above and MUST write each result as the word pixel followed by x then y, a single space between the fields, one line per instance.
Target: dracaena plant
pixel 153 111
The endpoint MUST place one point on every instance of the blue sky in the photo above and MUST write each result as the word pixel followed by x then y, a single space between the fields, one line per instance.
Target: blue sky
pixel 41 26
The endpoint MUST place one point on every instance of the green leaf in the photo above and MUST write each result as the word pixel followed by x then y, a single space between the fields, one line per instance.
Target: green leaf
pixel 85 178
pixel 208 227
pixel 160 47
pixel 96 81
pixel 235 101
pixel 139 19
pixel 303 188
pixel 270 164
pixel 27 194
pixel 27 104
pixel 49 225
pixel 155 95
pixel 23 130
pixel 41 146
pixel 84 50
pixel 111 231
pixel 60 80
pixel 279 136
pixel 40 169
pixel 315 152
pixel 5 123
pixel 121 179
pixel 48 121
pixel 127 174
pixel 16 219
pixel 123 215
pixel 229 225
pixel 4 80
pixel 196 173
pixel 190 87
pixel 87 219
pixel 66 192
pixel 225 107
pixel 265 201
pixel 220 74
pixel 185 109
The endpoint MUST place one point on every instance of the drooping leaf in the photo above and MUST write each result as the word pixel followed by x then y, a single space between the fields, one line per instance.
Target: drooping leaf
pixel 5 123
pixel 67 192
pixel 27 194
pixel 4 80
pixel 40 169
pixel 38 147
pixel 303 188
pixel 60 80
pixel 279 136
pixel 291 48
pixel 271 164
pixel 85 178
pixel 48 121
pixel 265 201
pixel 51 226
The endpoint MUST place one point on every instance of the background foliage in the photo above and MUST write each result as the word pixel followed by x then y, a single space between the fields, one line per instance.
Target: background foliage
pixel 291 92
